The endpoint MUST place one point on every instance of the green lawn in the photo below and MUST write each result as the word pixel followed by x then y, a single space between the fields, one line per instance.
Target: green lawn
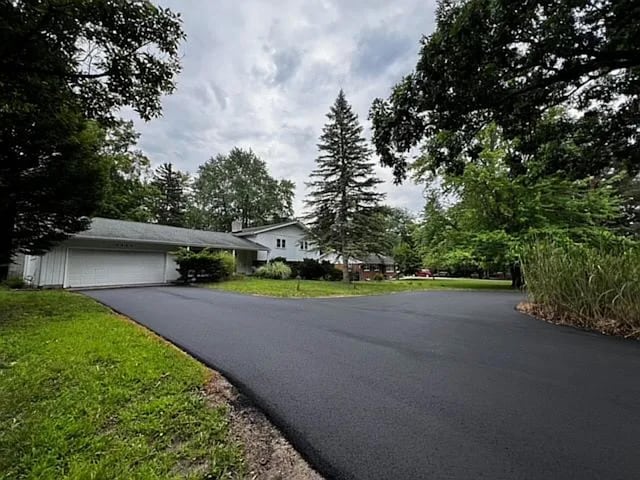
pixel 319 288
pixel 85 394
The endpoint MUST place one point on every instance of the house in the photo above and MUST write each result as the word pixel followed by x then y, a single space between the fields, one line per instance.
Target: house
pixel 286 239
pixel 117 252
pixel 366 267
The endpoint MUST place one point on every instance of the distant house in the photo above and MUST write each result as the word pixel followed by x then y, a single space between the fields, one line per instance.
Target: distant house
pixel 366 267
pixel 117 252
pixel 286 239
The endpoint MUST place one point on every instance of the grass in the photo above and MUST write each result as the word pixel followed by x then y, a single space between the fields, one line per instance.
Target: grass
pixel 86 394
pixel 320 288
pixel 593 288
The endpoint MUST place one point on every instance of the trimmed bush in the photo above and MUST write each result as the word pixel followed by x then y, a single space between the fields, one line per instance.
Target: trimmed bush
pixel 274 270
pixel 378 277
pixel 311 269
pixel 331 273
pixel 590 287
pixel 204 266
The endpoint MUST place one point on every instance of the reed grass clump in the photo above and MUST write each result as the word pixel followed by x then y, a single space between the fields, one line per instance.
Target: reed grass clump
pixel 590 287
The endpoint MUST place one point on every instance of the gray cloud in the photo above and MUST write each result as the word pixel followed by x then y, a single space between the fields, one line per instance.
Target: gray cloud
pixel 260 77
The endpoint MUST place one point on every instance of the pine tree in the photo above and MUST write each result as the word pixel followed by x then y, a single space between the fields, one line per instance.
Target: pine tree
pixel 343 201
pixel 170 199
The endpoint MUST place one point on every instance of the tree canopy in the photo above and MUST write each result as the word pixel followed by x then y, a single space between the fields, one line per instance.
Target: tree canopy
pixel 127 194
pixel 66 67
pixel 490 214
pixel 508 63
pixel 343 202
pixel 238 186
pixel 169 196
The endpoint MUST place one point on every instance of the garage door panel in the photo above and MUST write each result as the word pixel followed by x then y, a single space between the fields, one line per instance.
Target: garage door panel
pixel 95 268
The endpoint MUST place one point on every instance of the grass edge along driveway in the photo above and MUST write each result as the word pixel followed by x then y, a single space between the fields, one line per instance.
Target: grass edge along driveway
pixel 88 394
pixel 321 288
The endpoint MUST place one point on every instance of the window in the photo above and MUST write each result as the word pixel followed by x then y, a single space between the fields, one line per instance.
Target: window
pixel 281 243
pixel 304 245
pixel 366 267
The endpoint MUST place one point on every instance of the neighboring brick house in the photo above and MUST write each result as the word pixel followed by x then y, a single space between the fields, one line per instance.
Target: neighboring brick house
pixel 365 268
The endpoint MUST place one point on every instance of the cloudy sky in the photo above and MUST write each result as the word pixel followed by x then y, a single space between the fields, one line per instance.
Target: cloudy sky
pixel 261 74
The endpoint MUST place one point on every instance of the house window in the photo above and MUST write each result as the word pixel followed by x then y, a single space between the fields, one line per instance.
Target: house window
pixel 281 243
pixel 366 268
pixel 304 245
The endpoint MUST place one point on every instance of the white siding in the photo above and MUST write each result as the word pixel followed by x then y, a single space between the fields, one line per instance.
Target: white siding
pixel 293 234
pixel 52 265
pixel 16 267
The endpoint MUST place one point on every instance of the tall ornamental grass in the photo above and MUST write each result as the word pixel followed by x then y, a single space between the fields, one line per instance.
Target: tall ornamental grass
pixel 590 287
pixel 274 270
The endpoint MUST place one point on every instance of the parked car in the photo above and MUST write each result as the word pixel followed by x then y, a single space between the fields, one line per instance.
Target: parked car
pixel 424 272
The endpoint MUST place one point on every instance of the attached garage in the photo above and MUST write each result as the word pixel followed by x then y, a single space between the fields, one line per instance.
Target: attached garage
pixel 120 253
pixel 91 268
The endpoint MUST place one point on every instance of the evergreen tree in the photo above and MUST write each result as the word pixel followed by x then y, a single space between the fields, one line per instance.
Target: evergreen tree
pixel 170 198
pixel 343 201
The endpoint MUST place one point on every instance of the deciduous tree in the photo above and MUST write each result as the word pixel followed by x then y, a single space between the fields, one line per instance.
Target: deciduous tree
pixel 66 66
pixel 238 186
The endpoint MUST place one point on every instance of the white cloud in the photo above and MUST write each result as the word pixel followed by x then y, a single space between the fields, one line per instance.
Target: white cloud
pixel 263 77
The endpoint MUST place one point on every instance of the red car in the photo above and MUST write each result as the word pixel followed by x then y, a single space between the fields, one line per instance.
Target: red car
pixel 424 272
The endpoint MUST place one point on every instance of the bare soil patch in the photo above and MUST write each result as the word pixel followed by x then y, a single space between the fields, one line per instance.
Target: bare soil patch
pixel 268 454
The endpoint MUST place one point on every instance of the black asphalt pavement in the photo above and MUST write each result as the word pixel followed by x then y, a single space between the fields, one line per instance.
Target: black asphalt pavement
pixel 441 385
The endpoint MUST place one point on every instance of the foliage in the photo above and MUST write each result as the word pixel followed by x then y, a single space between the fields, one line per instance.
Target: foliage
pixel 322 288
pixel 331 273
pixel 343 200
pixel 63 67
pixel 51 176
pixel 274 271
pixel 127 192
pixel 238 186
pixel 204 266
pixel 509 63
pixel 378 277
pixel 591 287
pixel 492 214
pixel 311 269
pixel 14 282
pixel 90 395
pixel 169 195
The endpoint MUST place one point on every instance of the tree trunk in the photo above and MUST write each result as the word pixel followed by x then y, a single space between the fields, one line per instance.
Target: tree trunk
pixel 345 272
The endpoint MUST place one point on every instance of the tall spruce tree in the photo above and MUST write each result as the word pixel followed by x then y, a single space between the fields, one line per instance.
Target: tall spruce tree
pixel 170 198
pixel 343 201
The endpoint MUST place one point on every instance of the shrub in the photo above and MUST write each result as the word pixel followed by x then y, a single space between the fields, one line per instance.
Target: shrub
pixel 378 277
pixel 228 263
pixel 204 266
pixel 311 269
pixel 15 282
pixel 274 270
pixel 331 273
pixel 591 287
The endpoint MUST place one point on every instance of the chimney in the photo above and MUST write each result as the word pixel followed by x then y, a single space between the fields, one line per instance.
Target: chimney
pixel 236 226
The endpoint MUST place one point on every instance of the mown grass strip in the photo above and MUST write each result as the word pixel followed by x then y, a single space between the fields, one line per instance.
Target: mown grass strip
pixel 321 288
pixel 87 394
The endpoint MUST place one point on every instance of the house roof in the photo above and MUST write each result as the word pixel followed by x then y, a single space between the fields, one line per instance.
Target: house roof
pixel 373 259
pixel 265 228
pixel 109 229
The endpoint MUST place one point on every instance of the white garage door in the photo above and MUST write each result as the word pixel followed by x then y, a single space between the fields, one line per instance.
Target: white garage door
pixel 95 268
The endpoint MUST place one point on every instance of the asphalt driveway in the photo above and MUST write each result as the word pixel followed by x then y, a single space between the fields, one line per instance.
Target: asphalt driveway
pixel 453 385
